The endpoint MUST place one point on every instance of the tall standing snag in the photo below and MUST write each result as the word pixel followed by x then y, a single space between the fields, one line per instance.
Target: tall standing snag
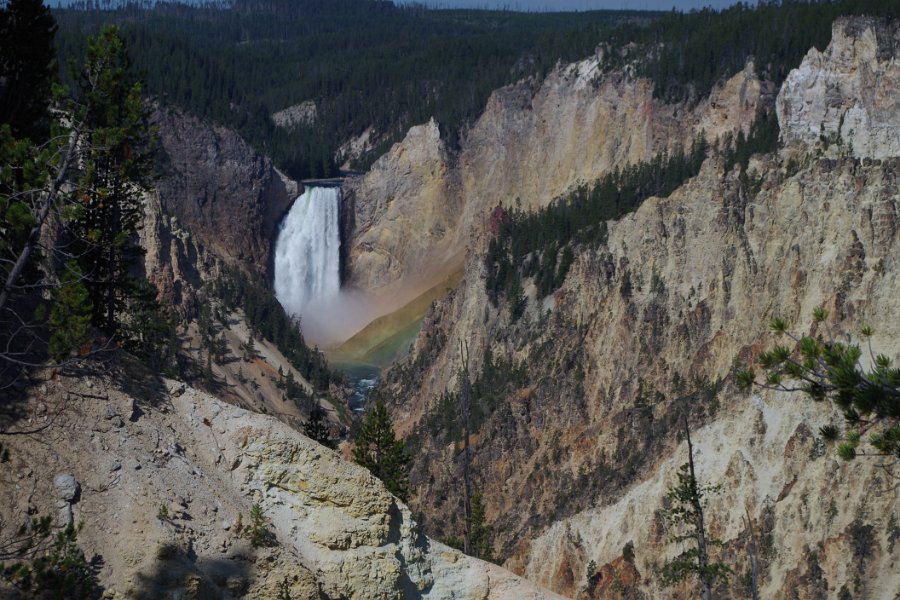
pixel 465 399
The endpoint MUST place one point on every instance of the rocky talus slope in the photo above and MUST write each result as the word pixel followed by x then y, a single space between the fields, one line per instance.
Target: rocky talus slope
pixel 409 219
pixel 164 478
pixel 575 459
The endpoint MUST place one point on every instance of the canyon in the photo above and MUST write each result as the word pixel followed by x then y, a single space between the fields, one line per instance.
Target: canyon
pixel 575 460
pixel 576 448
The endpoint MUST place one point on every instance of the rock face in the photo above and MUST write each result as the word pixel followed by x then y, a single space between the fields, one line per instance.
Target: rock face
pixel 173 261
pixel 229 197
pixel 169 515
pixel 850 93
pixel 304 113
pixel 401 215
pixel 579 451
pixel 414 211
pixel 218 205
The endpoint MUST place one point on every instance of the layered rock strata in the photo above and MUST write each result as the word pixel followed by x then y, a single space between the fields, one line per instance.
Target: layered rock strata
pixel 411 216
pixel 850 93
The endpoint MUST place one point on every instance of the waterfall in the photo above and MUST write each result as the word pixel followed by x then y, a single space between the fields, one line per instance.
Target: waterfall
pixel 307 259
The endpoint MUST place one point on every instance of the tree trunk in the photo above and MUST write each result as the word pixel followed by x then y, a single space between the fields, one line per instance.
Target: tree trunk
pixel 43 212
pixel 465 397
pixel 700 531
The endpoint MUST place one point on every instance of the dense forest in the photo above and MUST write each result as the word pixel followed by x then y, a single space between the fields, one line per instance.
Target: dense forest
pixel 371 64
pixel 364 64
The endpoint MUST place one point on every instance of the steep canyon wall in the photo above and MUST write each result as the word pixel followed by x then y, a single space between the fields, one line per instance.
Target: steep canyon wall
pixel 409 220
pixel 649 326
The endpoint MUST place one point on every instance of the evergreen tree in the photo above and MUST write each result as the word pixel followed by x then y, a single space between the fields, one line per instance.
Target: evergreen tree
pixel 378 449
pixel 825 369
pixel 48 565
pixel 316 427
pixel 686 516
pixel 33 169
pixel 27 67
pixel 70 317
pixel 248 349
pixel 480 533
pixel 149 330
pixel 517 299
pixel 87 177
pixel 114 168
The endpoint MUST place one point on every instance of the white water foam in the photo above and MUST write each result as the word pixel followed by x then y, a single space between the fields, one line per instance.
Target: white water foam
pixel 307 253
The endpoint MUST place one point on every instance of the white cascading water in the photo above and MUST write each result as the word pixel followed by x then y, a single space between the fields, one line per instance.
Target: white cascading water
pixel 307 252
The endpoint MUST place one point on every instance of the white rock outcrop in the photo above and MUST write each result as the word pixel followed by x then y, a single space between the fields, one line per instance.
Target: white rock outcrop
pixel 168 476
pixel 850 93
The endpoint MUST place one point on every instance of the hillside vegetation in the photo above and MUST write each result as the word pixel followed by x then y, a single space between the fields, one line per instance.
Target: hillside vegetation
pixel 371 64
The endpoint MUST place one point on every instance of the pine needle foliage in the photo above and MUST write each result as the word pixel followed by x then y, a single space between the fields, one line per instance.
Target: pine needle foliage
pixel 257 530
pixel 70 318
pixel 407 64
pixel 686 521
pixel 825 369
pixel 49 565
pixel 480 533
pixel 316 427
pixel 27 29
pixel 113 173
pixel 378 449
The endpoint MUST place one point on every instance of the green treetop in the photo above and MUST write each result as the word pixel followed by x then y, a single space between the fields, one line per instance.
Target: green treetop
pixel 825 369
pixel 379 450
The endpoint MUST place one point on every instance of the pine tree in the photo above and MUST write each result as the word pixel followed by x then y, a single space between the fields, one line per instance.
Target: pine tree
pixel 248 349
pixel 70 317
pixel 87 177
pixel 825 369
pixel 148 329
pixel 480 533
pixel 517 299
pixel 33 169
pixel 378 450
pixel 27 67
pixel 316 427
pixel 47 564
pixel 687 517
pixel 284 589
pixel 114 169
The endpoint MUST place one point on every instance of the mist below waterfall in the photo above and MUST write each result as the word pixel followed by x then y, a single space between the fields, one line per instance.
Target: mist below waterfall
pixel 307 269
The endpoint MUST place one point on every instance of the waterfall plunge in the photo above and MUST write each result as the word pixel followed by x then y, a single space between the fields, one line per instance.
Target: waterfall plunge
pixel 307 270
pixel 307 253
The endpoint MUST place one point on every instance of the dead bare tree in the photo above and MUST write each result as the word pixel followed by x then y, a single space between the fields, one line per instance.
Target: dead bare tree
pixel 465 400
